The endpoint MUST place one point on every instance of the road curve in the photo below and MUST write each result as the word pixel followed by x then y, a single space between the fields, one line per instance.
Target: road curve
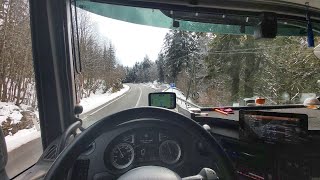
pixel 137 96
pixel 26 155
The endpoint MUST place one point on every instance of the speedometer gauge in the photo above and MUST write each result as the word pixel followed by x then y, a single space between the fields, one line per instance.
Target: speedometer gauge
pixel 122 155
pixel 169 152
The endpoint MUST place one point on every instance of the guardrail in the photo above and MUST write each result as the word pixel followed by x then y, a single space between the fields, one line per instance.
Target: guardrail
pixel 188 103
pixel 165 89
pixel 183 100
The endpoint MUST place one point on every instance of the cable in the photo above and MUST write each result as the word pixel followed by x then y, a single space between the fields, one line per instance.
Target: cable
pixel 227 52
pixel 259 48
pixel 247 52
pixel 77 66
pixel 72 39
pixel 78 39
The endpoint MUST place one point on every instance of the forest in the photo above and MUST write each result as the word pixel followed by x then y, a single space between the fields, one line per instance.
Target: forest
pixel 100 69
pixel 16 66
pixel 218 70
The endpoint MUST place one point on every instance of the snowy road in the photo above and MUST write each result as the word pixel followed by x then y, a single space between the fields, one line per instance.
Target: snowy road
pixel 27 154
pixel 137 96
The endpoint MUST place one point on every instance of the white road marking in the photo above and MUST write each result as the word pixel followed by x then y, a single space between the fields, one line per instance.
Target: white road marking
pixel 104 106
pixel 139 97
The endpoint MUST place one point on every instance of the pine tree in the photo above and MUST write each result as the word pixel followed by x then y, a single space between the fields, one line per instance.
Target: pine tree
pixel 160 68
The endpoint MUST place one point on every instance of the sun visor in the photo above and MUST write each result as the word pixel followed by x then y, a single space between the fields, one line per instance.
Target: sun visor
pixel 189 21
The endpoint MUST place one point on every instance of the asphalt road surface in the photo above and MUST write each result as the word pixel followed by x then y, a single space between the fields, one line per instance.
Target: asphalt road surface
pixel 137 96
pixel 26 155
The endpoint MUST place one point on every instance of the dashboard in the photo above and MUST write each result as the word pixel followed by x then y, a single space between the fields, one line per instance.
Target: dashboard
pixel 261 145
pixel 265 144
pixel 143 146
pixel 255 153
pixel 116 152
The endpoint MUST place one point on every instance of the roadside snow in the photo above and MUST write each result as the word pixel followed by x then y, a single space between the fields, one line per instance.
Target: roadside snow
pixel 10 110
pixel 98 99
pixel 21 137
pixel 154 85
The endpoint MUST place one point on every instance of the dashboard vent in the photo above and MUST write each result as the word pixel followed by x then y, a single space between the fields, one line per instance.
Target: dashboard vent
pixel 51 154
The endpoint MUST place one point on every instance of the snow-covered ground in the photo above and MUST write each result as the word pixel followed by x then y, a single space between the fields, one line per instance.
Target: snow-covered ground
pixel 10 110
pixel 98 99
pixel 21 137
pixel 154 85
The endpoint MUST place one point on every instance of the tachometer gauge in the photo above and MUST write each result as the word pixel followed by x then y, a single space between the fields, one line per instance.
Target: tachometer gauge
pixel 122 155
pixel 169 152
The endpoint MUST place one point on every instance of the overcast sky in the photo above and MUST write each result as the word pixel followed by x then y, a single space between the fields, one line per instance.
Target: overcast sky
pixel 132 41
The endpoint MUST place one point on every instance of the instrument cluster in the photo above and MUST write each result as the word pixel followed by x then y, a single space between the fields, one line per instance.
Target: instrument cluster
pixel 140 146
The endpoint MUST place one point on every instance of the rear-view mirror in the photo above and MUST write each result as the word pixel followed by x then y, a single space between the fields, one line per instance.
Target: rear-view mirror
pixel 163 99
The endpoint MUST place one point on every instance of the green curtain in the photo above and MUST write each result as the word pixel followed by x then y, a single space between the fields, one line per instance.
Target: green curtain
pixel 154 17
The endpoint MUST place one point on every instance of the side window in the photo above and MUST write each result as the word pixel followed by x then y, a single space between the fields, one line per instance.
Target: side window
pixel 18 102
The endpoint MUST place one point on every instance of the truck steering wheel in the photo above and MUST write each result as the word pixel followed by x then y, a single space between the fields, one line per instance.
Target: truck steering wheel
pixel 70 154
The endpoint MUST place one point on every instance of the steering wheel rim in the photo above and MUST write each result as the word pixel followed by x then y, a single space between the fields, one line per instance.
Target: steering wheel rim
pixel 69 155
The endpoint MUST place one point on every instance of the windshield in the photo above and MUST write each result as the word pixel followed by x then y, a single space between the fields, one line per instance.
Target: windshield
pixel 125 55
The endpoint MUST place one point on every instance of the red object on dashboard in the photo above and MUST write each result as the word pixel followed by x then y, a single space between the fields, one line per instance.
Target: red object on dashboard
pixel 229 111
pixel 224 111
pixel 221 111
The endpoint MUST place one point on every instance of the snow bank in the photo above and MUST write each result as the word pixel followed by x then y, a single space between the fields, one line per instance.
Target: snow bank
pixel 154 85
pixel 98 99
pixel 21 137
pixel 10 110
